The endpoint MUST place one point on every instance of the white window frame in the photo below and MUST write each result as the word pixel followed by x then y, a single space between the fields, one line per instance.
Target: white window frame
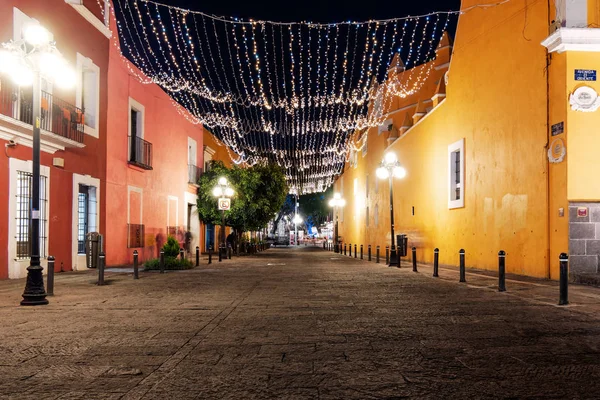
pixel 193 145
pixel 376 215
pixel 17 268
pixel 84 63
pixel 458 146
pixel 138 107
pixel 78 260
pixel 208 155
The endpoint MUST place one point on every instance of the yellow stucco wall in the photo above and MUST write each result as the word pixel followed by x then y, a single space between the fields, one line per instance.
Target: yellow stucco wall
pixel 496 101
pixel 583 132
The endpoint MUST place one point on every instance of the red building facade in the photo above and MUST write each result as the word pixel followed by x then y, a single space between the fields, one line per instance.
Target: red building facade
pixel 117 156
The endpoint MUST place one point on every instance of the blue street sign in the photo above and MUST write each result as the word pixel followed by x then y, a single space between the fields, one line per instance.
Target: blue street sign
pixel 585 74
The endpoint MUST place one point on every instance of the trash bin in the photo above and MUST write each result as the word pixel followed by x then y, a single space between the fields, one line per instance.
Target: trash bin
pixel 402 244
pixel 93 247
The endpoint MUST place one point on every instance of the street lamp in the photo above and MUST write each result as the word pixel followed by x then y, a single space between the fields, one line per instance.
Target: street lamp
pixel 223 192
pixel 26 61
pixel 297 220
pixel 337 202
pixel 388 169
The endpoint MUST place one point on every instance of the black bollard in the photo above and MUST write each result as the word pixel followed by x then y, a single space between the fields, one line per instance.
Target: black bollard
pixel 50 284
pixel 345 253
pixel 181 254
pixel 436 262
pixel 414 259
pixel 462 265
pixel 377 255
pixel 101 259
pixel 355 251
pixel 369 253
pixel 564 279
pixel 350 249
pixel 220 252
pixel 197 256
pixel 161 262
pixel 502 271
pixel 210 254
pixel 136 273
pixel 387 255
pixel 229 252
pixel 361 251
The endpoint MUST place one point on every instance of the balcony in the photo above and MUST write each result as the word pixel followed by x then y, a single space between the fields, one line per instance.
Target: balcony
pixel 61 123
pixel 194 174
pixel 140 152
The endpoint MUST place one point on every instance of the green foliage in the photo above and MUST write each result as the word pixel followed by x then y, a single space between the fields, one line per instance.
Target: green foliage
pixel 171 247
pixel 260 192
pixel 171 263
pixel 315 207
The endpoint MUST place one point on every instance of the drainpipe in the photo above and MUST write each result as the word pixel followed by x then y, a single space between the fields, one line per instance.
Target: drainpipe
pixel 547 161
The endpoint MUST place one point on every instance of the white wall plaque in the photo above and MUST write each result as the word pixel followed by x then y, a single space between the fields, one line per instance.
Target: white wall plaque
pixel 584 99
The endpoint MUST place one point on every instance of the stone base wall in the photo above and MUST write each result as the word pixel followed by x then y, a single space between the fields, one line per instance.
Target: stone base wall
pixel 584 238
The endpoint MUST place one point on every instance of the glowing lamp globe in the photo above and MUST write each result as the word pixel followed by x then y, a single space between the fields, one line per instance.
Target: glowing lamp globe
pixel 390 158
pixel 382 173
pixel 337 196
pixel 222 181
pixel 36 35
pixel 341 202
pixel 297 219
pixel 65 77
pixel 228 192
pixel 332 203
pixel 218 192
pixel 399 172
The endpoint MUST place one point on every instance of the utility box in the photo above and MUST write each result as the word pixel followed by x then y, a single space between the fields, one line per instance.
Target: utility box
pixel 402 244
pixel 93 247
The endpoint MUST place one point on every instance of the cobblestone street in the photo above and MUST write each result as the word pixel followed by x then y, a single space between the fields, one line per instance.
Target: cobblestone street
pixel 299 324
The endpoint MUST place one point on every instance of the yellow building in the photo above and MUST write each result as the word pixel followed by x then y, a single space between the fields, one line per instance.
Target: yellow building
pixel 499 144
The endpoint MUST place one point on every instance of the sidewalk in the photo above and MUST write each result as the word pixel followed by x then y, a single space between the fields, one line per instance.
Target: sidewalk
pixel 299 323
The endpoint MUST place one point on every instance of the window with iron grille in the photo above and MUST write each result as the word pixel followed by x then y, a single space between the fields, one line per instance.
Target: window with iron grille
pixel 86 217
pixel 23 212
pixel 135 235
pixel 456 176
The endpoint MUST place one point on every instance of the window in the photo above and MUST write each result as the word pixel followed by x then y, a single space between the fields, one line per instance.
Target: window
pixel 135 227
pixel 88 93
pixel 140 151
pixel 376 216
pixel 86 215
pixel 23 214
pixel 456 174
pixel 367 217
pixel 208 154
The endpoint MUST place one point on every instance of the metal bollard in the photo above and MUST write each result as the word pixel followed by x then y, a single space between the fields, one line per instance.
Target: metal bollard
pixel 436 262
pixel 350 249
pixel 564 279
pixel 414 259
pixel 181 254
pixel 197 256
pixel 229 252
pixel 101 260
pixel 210 254
pixel 355 250
pixel 377 255
pixel 220 252
pixel 136 273
pixel 387 255
pixel 462 265
pixel 361 251
pixel 345 253
pixel 369 253
pixel 161 262
pixel 502 271
pixel 50 290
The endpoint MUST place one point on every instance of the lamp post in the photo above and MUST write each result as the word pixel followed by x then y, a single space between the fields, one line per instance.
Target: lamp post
pixel 26 61
pixel 297 220
pixel 388 169
pixel 224 193
pixel 337 202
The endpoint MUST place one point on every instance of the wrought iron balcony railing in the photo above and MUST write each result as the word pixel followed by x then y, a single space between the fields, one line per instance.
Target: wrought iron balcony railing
pixel 194 173
pixel 140 152
pixel 58 116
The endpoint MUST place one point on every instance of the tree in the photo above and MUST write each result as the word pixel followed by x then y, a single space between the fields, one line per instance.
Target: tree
pixel 260 191
pixel 286 209
pixel 315 208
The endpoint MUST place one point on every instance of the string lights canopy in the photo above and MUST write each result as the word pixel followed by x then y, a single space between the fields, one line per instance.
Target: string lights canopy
pixel 285 92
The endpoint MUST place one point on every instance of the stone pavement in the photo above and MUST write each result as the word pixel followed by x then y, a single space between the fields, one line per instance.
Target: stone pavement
pixel 299 324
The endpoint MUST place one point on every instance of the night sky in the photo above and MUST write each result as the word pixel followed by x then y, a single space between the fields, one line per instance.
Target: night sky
pixel 317 10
